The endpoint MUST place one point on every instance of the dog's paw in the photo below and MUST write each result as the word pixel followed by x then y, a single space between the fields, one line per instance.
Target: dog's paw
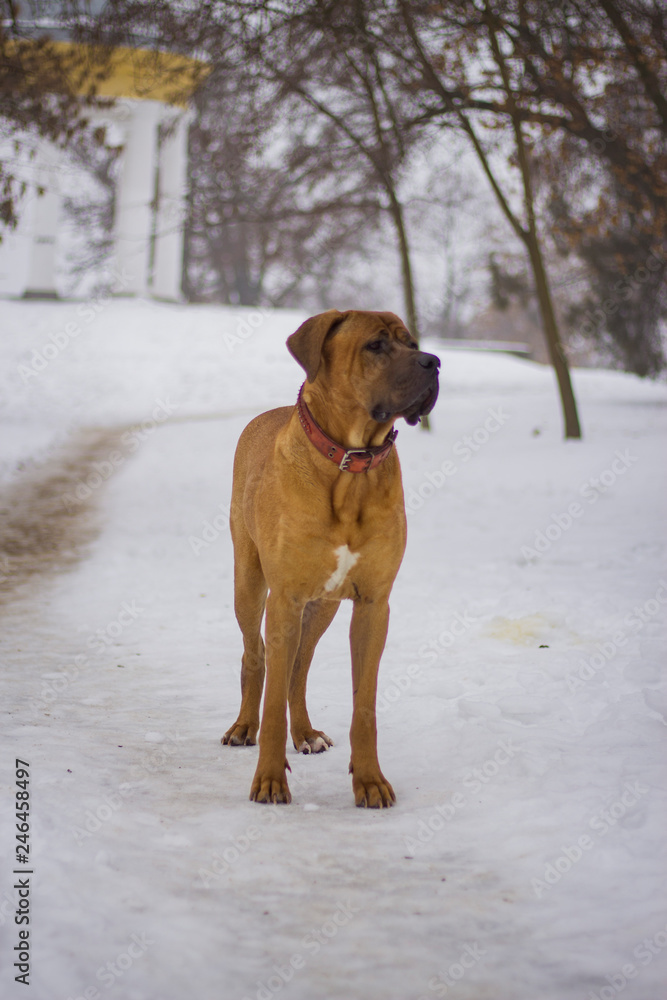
pixel 270 786
pixel 241 734
pixel 372 791
pixel 313 741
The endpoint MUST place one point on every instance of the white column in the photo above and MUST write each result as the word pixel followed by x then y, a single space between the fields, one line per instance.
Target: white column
pixel 172 186
pixel 41 280
pixel 135 194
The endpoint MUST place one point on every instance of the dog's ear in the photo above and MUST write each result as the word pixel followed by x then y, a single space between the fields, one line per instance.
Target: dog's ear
pixel 307 342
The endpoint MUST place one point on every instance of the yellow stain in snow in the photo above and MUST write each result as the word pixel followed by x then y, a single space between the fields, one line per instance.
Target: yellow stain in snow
pixel 521 631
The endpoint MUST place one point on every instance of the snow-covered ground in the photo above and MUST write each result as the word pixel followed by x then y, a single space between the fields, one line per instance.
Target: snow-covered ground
pixel 521 703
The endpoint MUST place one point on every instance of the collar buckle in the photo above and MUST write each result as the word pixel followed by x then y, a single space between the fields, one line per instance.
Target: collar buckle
pixel 347 458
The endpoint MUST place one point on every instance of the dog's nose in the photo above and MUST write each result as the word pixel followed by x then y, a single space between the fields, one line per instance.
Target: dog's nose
pixel 428 361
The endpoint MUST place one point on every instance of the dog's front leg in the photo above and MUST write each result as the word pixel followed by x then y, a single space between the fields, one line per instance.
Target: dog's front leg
pixel 368 633
pixel 283 632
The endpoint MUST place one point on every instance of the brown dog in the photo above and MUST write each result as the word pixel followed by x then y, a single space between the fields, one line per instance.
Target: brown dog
pixel 318 516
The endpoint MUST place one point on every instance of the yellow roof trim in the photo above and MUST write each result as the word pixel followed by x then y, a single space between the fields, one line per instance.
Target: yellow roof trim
pixel 141 74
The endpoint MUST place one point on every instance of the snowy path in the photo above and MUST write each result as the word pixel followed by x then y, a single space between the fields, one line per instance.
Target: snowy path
pixel 522 706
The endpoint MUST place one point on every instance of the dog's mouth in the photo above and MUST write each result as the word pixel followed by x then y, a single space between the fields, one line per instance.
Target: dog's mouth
pixel 421 406
pixel 415 410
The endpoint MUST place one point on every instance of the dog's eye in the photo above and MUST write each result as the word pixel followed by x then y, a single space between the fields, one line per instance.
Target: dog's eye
pixel 375 346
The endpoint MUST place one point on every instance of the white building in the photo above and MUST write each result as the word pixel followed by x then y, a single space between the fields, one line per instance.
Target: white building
pixel 149 120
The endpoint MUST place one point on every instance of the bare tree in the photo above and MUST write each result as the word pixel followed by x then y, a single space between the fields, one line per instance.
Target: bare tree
pixel 449 68
pixel 584 84
pixel 327 55
pixel 606 199
pixel 266 214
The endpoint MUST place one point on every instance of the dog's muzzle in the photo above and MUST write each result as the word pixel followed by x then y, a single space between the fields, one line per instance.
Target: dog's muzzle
pixel 425 400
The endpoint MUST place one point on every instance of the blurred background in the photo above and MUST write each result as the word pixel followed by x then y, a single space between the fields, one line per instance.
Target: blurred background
pixel 494 172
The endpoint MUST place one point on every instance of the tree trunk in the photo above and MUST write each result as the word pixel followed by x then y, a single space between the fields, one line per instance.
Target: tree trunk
pixel 406 266
pixel 396 212
pixel 556 351
pixel 529 235
pixel 406 276
pixel 530 240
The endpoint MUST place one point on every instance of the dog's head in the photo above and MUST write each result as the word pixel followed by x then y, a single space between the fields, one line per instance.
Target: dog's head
pixel 368 359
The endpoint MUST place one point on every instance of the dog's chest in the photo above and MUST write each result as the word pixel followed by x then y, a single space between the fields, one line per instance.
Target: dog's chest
pixel 355 568
pixel 346 559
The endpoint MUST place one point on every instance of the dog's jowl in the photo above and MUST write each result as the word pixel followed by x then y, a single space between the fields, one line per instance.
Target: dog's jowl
pixel 317 516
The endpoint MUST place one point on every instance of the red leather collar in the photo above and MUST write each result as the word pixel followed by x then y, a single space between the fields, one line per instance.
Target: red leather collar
pixel 347 459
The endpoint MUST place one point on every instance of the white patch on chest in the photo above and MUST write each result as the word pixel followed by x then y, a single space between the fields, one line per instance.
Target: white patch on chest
pixel 346 561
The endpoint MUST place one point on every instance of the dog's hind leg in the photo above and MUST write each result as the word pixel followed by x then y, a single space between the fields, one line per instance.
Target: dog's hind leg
pixel 317 616
pixel 249 601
